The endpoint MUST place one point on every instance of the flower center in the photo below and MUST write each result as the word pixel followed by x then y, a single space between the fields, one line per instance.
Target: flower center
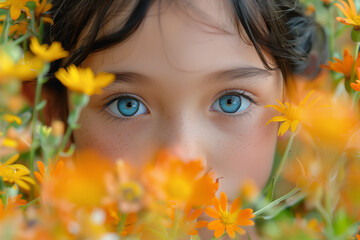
pixel 292 112
pixel 357 20
pixel 131 191
pixel 178 188
pixel 227 218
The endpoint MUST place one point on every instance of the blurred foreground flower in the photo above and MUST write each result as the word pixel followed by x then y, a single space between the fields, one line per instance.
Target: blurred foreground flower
pixel 188 220
pixel 172 179
pixel 228 220
pixel 27 68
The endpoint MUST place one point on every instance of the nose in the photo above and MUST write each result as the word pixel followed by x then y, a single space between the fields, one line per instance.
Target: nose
pixel 182 136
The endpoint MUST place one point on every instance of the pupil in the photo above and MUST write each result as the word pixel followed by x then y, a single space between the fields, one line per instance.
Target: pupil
pixel 129 104
pixel 229 101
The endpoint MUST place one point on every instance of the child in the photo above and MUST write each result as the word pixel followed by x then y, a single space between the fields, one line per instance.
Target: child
pixel 192 77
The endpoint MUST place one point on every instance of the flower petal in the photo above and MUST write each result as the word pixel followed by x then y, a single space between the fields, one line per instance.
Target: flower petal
pixel 223 201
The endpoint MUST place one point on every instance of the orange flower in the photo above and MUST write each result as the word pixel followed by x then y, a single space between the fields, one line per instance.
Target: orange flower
pixel 16 6
pixel 171 179
pixel 188 220
pixel 358 235
pixel 13 202
pixel 345 66
pixel 113 218
pixel 83 185
pixel 356 86
pixel 55 172
pixel 228 220
pixel 349 10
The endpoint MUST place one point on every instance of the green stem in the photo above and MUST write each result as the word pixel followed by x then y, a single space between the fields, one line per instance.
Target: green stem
pixel 6 198
pixel 21 39
pixel 29 204
pixel 326 217
pixel 331 30
pixel 355 100
pixel 34 144
pixel 283 159
pixel 353 72
pixel 5 32
pixel 277 201
pixel 73 118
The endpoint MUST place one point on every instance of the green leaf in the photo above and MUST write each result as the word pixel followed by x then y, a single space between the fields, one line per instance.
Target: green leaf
pixel 270 193
pixel 41 105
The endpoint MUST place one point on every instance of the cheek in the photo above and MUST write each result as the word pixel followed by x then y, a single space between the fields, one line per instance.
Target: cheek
pixel 113 138
pixel 245 153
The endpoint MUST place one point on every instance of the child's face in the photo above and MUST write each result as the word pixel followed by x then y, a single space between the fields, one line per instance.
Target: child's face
pixel 188 88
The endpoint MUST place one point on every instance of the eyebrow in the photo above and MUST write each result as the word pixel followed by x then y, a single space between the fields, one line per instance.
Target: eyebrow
pixel 227 74
pixel 242 73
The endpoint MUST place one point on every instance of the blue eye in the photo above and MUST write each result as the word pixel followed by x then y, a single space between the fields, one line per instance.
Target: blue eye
pixel 127 106
pixel 231 103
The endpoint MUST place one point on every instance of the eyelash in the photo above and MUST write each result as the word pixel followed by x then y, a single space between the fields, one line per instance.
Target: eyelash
pixel 240 93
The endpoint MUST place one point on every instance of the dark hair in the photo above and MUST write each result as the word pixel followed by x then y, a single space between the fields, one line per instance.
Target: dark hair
pixel 278 27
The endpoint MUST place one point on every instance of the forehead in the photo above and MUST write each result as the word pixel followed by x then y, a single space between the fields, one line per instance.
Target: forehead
pixel 179 38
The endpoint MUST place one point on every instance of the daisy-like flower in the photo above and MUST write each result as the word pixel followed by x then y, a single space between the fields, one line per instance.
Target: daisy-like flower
pixel 9 164
pixel 15 173
pixel 83 80
pixel 46 52
pixel 16 6
pixel 54 172
pixel 291 114
pixel 345 66
pixel 349 10
pixel 171 179
pixel 228 220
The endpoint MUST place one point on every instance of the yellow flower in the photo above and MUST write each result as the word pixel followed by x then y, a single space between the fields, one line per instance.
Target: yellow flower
pixel 27 68
pixel 41 8
pixel 83 80
pixel 46 52
pixel 15 173
pixel 228 220
pixel 11 118
pixel 292 114
pixel 16 6
pixel 349 10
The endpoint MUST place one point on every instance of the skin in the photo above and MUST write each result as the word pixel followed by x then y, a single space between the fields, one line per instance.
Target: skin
pixel 176 57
